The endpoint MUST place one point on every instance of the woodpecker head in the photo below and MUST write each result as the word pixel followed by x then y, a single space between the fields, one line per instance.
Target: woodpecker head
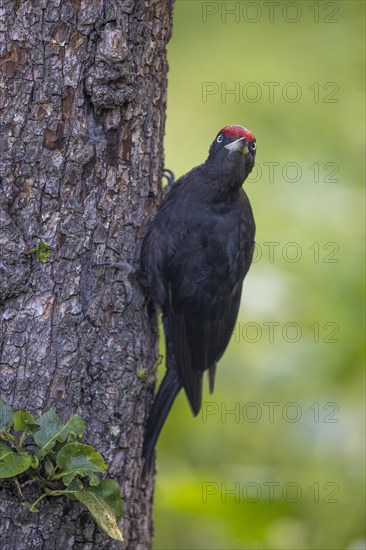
pixel 233 153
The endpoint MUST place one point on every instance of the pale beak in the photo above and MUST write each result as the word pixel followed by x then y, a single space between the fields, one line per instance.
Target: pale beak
pixel 240 144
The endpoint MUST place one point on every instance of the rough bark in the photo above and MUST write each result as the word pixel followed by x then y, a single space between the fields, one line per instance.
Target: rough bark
pixel 82 121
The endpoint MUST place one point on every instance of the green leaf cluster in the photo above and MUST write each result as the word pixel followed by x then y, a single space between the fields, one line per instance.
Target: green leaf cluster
pixel 59 462
pixel 42 252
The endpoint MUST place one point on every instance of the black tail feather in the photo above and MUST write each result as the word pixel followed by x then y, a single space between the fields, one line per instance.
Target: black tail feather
pixel 168 390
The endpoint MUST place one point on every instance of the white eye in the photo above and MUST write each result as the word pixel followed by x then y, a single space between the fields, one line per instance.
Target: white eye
pixel 254 146
pixel 220 137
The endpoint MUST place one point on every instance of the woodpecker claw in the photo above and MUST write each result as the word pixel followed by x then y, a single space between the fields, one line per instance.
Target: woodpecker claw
pixel 170 177
pixel 127 269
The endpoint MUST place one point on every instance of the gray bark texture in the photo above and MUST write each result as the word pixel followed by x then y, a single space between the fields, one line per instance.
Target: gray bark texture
pixel 82 106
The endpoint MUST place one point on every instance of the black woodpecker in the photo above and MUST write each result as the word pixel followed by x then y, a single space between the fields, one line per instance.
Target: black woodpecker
pixel 195 255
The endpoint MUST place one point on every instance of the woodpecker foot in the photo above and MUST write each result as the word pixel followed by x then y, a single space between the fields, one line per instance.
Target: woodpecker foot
pixel 170 177
pixel 126 268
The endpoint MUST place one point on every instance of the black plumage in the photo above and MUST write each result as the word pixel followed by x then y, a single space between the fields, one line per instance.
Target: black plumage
pixel 195 255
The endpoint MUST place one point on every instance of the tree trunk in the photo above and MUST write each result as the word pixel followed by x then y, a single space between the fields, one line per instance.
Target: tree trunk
pixel 82 123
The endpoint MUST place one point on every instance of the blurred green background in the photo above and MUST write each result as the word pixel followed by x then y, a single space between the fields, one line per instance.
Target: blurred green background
pixel 286 469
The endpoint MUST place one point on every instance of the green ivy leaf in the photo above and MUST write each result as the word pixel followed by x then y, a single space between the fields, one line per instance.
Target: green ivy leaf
pixel 94 480
pixel 42 252
pixel 75 427
pixel 104 504
pixel 53 430
pixel 6 415
pixel 11 463
pixel 112 495
pixel 24 422
pixel 34 462
pixel 49 468
pixel 78 459
pixel 141 373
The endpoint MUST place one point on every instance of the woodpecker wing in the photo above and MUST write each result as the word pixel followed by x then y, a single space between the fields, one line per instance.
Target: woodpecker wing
pixel 205 275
